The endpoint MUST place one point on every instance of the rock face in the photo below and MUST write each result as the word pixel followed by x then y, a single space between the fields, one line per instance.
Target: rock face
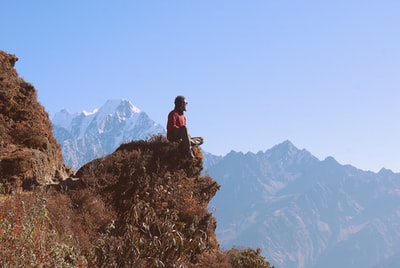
pixel 29 153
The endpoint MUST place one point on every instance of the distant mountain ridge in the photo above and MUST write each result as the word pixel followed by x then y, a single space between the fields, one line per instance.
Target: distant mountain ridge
pixel 304 212
pixel 85 136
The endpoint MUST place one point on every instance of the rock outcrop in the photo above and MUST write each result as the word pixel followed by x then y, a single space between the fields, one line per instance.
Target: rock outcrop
pixel 159 200
pixel 29 153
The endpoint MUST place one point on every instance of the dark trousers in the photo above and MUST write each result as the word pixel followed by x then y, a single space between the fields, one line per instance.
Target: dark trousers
pixel 183 135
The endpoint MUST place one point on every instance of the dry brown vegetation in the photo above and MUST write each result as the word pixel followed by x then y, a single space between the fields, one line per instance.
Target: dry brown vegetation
pixel 29 153
pixel 145 205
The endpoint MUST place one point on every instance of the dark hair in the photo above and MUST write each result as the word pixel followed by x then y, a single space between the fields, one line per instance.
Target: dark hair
pixel 179 100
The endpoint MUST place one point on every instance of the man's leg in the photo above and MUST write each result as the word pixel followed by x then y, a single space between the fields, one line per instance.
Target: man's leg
pixel 183 134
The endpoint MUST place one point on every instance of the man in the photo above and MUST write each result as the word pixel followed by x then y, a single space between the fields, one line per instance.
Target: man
pixel 176 127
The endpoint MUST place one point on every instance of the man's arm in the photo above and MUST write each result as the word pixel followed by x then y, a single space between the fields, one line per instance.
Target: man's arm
pixel 172 119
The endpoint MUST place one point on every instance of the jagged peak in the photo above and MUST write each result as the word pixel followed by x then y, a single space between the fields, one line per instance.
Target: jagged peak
pixel 115 122
pixel 234 153
pixel 62 118
pixel 385 171
pixel 109 107
pixel 282 151
pixel 287 151
pixel 123 103
pixel 288 145
pixel 329 160
pixel 285 148
pixel 118 106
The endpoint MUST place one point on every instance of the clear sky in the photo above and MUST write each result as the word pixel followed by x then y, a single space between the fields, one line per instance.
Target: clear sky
pixel 323 74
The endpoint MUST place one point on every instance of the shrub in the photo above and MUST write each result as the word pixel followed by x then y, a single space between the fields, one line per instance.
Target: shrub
pixel 247 258
pixel 27 237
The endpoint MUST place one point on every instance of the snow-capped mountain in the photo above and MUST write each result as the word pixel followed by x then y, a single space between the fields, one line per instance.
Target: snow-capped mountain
pixel 304 212
pixel 85 136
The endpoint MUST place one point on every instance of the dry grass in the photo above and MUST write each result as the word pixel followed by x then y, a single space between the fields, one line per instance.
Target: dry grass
pixel 145 205
pixel 27 237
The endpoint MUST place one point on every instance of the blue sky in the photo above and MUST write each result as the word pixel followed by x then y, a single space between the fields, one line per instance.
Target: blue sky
pixel 322 74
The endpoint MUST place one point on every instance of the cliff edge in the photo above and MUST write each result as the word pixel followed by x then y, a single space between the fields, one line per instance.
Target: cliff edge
pixel 29 153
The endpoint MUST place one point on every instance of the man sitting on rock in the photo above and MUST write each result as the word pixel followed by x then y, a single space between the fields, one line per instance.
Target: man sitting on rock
pixel 176 127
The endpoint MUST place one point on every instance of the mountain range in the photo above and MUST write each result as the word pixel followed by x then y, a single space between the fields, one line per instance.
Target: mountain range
pixel 304 212
pixel 85 136
pixel 301 211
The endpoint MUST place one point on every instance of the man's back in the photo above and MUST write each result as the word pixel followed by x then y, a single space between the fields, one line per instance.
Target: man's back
pixel 176 120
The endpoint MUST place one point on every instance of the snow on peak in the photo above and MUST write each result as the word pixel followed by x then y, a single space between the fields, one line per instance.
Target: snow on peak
pixel 120 111
pixel 92 134
pixel 86 113
pixel 132 107
pixel 121 107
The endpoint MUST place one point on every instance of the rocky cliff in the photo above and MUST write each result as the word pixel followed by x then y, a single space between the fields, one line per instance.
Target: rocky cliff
pixel 158 203
pixel 29 153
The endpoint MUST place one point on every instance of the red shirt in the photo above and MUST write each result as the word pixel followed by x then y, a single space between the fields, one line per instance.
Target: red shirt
pixel 175 121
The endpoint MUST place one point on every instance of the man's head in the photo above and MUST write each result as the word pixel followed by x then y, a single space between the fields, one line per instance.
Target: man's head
pixel 180 103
